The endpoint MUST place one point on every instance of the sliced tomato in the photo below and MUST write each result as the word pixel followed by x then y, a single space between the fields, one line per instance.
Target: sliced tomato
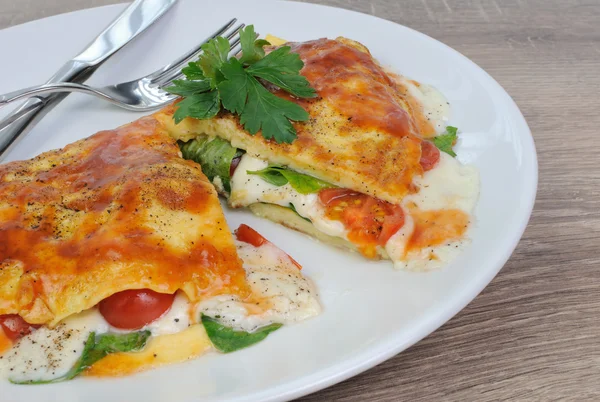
pixel 328 195
pixel 296 263
pixel 393 222
pixel 135 308
pixel 370 222
pixel 15 327
pixel 430 155
pixel 248 235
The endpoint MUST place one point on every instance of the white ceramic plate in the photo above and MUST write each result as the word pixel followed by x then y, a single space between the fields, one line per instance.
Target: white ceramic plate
pixel 371 312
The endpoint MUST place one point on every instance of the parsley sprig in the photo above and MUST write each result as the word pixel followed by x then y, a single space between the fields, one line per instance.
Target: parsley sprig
pixel 216 81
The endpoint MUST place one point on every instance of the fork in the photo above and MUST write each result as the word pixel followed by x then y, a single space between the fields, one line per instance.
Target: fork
pixel 143 94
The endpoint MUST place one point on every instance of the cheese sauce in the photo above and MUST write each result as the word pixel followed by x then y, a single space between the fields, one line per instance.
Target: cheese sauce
pixel 285 295
pixel 47 353
pixel 440 212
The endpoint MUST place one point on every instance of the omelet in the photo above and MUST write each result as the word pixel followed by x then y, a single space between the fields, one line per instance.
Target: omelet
pixel 360 134
pixel 364 173
pixel 112 250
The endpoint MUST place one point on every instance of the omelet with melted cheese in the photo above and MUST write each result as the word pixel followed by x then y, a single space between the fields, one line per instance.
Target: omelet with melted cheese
pixel 364 131
pixel 121 210
pixel 370 131
pixel 118 210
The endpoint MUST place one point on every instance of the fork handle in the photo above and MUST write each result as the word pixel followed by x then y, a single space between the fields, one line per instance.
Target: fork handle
pixel 14 126
pixel 46 89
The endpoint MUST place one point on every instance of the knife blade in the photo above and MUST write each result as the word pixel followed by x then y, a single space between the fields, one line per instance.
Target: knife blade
pixel 134 20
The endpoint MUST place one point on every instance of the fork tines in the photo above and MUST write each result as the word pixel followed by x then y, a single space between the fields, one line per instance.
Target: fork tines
pixel 172 71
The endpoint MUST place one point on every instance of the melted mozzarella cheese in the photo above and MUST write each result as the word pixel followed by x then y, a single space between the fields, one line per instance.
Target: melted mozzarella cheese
pixel 449 185
pixel 435 106
pixel 286 296
pixel 46 353
pixel 175 320
pixel 247 189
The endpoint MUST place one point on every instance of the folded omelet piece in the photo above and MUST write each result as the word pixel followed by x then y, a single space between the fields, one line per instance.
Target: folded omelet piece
pixel 360 134
pixel 118 210
pixel 370 137
pixel 115 245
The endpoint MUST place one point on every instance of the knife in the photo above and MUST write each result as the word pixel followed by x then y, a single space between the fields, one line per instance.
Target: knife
pixel 138 16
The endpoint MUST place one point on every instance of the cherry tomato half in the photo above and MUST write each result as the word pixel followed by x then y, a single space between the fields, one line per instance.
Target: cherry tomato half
pixel 15 327
pixel 135 308
pixel 248 235
pixel 430 155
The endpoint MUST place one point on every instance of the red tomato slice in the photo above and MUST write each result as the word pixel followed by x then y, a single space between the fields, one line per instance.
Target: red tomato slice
pixel 15 327
pixel 328 195
pixel 370 222
pixel 392 223
pixel 430 155
pixel 248 235
pixel 135 308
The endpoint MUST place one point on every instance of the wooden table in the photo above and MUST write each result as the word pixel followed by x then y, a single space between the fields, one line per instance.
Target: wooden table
pixel 534 332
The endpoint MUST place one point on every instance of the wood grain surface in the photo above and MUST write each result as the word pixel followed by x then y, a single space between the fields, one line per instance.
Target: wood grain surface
pixel 534 332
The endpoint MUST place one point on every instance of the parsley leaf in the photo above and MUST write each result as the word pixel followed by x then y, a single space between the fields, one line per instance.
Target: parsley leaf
pixel 214 54
pixel 201 106
pixel 193 72
pixel 234 89
pixel 228 340
pixel 258 108
pixel 252 48
pixel 282 68
pixel 271 114
pixel 216 81
pixel 188 88
pixel 280 176
pixel 444 142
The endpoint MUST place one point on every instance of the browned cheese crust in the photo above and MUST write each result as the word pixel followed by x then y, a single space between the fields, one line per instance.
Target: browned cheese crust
pixel 118 210
pixel 364 132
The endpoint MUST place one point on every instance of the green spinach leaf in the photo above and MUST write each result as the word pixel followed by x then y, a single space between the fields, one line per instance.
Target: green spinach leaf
pixel 293 208
pixel 280 176
pixel 214 156
pixel 228 340
pixel 444 142
pixel 96 348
